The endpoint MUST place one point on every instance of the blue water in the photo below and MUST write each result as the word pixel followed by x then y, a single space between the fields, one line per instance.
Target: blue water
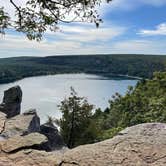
pixel 46 92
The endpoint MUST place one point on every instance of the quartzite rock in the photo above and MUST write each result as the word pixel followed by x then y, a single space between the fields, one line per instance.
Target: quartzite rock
pixel 22 124
pixel 141 145
pixel 11 104
pixel 30 158
pixel 19 142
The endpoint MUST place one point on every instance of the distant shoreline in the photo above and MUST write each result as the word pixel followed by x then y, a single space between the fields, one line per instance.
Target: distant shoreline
pixel 106 75
pixel 129 66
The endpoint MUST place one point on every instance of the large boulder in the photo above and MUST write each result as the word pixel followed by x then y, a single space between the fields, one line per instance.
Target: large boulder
pixel 22 124
pixel 11 104
pixel 19 142
pixel 141 145
pixel 55 140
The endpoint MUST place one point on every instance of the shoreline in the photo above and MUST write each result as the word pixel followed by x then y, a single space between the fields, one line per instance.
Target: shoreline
pixel 106 75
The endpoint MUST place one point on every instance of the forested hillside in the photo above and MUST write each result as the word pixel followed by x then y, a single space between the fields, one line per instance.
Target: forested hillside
pixel 143 104
pixel 12 69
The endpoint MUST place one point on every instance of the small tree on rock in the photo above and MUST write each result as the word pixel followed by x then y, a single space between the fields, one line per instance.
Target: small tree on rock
pixel 76 125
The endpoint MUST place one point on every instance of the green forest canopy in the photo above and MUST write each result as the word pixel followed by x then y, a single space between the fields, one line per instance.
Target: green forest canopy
pixel 12 69
pixel 143 104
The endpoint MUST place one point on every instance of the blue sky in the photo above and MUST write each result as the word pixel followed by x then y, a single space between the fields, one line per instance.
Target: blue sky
pixel 130 26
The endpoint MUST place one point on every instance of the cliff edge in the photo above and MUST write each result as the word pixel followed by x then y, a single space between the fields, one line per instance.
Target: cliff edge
pixel 24 142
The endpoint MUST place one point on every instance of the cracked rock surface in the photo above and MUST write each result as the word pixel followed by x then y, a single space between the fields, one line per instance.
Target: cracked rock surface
pixel 141 145
pixel 18 142
pixel 22 124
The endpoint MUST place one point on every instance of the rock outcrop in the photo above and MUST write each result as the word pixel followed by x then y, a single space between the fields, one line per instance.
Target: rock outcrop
pixel 55 140
pixel 11 104
pixel 23 142
pixel 30 157
pixel 141 145
pixel 23 124
pixel 20 142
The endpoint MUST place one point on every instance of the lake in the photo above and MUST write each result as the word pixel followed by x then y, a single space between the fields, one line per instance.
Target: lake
pixel 44 93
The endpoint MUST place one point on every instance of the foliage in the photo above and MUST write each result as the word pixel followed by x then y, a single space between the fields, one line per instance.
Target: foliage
pixel 4 20
pixel 40 15
pixel 76 124
pixel 143 104
pixel 12 69
pixel 106 134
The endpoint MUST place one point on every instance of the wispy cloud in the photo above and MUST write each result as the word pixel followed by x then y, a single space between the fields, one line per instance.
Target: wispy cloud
pixel 71 40
pixel 91 34
pixel 114 36
pixel 159 30
pixel 140 47
pixel 18 46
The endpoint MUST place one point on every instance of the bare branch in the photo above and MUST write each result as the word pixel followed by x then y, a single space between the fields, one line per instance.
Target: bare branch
pixel 18 10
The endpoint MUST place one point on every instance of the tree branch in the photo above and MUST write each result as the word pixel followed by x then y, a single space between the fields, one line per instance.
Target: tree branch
pixel 19 12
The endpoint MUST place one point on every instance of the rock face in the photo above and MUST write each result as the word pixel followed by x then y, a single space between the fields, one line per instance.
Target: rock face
pixel 55 141
pixel 19 142
pixel 2 121
pixel 141 145
pixel 11 104
pixel 22 124
pixel 30 157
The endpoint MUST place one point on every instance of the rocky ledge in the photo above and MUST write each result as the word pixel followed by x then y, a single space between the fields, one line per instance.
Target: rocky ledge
pixel 24 142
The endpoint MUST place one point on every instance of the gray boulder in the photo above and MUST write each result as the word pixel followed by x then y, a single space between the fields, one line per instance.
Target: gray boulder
pixel 55 140
pixel 22 124
pixel 141 145
pixel 11 104
pixel 32 140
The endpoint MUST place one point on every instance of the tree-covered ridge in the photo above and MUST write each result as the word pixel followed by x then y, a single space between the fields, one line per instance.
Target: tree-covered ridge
pixel 12 69
pixel 142 104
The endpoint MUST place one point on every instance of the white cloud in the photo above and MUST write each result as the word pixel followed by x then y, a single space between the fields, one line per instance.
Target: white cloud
pixel 139 47
pixel 159 30
pixel 18 46
pixel 72 40
pixel 86 39
pixel 91 34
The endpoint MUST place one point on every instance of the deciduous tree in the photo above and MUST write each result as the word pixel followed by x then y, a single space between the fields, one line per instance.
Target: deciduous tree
pixel 37 16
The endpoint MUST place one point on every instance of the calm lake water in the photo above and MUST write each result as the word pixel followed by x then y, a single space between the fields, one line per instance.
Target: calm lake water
pixel 45 92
